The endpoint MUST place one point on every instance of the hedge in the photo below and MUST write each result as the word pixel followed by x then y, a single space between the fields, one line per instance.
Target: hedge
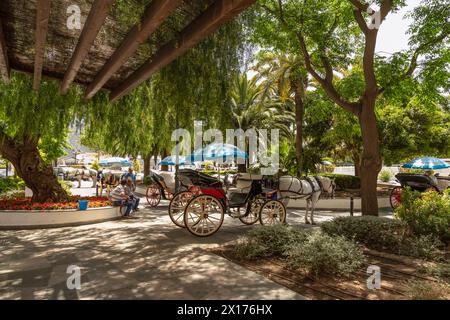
pixel 343 181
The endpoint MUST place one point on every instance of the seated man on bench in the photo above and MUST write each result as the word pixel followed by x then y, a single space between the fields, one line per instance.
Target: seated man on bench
pixel 119 197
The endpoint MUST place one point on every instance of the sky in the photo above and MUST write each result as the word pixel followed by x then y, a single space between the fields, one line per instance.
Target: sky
pixel 392 36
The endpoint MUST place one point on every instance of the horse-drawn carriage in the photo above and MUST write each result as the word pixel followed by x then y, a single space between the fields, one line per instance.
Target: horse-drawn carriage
pixel 201 210
pixel 417 182
pixel 202 206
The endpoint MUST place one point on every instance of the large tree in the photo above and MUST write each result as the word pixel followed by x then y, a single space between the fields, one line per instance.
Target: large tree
pixel 33 127
pixel 330 33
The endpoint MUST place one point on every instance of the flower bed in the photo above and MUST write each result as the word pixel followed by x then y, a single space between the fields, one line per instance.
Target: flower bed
pixel 27 204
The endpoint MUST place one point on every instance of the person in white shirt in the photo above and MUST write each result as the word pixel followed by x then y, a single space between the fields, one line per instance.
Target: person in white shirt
pixel 119 197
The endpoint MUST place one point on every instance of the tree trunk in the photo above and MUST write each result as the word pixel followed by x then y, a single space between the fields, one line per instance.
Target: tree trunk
pixel 37 175
pixel 357 161
pixel 371 159
pixel 299 115
pixel 147 160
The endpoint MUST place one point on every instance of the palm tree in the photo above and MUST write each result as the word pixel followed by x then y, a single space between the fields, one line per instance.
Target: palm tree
pixel 253 106
pixel 285 75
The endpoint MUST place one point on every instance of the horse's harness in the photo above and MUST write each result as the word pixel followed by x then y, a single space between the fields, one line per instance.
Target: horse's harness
pixel 310 180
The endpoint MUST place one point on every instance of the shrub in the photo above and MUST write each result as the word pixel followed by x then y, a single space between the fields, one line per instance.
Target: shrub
pixel 66 185
pixel 268 241
pixel 13 195
pixel 426 213
pixel 437 270
pixel 385 234
pixel 385 175
pixel 325 254
pixel 425 290
pixel 95 165
pixel 11 183
pixel 344 181
pixel 374 232
pixel 148 181
pixel 426 247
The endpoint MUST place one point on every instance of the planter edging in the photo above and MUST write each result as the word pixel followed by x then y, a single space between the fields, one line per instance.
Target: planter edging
pixel 40 219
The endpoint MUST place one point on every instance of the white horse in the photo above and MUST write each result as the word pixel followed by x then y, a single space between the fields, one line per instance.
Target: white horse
pixel 309 188
pixel 79 174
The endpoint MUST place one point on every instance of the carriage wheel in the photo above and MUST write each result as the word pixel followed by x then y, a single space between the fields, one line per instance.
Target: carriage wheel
pixel 273 212
pixel 204 215
pixel 396 197
pixel 253 215
pixel 153 195
pixel 177 206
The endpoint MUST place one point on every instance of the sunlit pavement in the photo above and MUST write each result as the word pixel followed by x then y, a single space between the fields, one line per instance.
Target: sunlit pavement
pixel 142 258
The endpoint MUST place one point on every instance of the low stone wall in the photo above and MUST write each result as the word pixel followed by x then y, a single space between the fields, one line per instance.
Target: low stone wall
pixel 29 219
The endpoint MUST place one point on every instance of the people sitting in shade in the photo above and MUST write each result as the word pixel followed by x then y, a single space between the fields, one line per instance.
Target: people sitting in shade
pixel 119 197
pixel 133 198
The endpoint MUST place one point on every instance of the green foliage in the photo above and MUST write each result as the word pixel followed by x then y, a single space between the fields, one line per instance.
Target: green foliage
pixel 344 182
pixel 196 86
pixel 374 232
pixel 137 165
pixel 437 270
pixel 148 181
pixel 409 89
pixel 324 254
pixel 385 234
pixel 428 247
pixel 45 115
pixel 427 290
pixel 95 165
pixel 426 213
pixel 385 175
pixel 420 127
pixel 263 242
pixel 10 184
pixel 66 185
pixel 316 252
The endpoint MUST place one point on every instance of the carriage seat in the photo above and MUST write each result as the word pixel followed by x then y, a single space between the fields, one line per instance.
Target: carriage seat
pixel 168 179
pixel 443 183
pixel 419 182
pixel 244 183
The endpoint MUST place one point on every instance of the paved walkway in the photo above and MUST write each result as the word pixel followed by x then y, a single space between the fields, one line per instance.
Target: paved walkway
pixel 143 258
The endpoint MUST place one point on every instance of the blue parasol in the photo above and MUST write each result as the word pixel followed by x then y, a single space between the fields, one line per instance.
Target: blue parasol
pixel 172 161
pixel 426 163
pixel 218 151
